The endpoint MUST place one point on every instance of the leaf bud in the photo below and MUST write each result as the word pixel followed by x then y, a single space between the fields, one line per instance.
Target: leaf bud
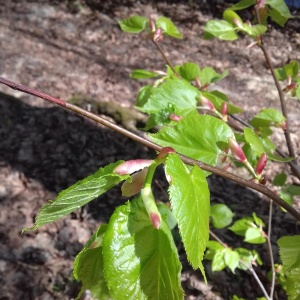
pixel 261 163
pixel 175 118
pixel 164 152
pixel 236 150
pixel 152 25
pixel 138 180
pixel 238 23
pixel 158 35
pixel 206 103
pixel 131 166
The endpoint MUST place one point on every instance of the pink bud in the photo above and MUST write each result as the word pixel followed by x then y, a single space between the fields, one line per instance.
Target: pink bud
pixel 131 166
pixel 238 23
pixel 224 108
pixel 261 163
pixel 165 151
pixel 175 118
pixel 198 83
pixel 158 35
pixel 155 220
pixel 138 180
pixel 236 150
pixel 151 25
pixel 283 125
pixel 290 87
pixel 206 103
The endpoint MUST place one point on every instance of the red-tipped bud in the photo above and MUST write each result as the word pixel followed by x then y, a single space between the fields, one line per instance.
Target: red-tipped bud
pixel 131 166
pixel 158 35
pixel 224 108
pixel 175 118
pixel 138 180
pixel 198 83
pixel 238 23
pixel 236 150
pixel 283 125
pixel 155 220
pixel 261 163
pixel 290 87
pixel 164 152
pixel 206 103
pixel 152 25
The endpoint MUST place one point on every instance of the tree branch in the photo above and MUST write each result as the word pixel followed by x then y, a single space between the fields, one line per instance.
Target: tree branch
pixel 244 182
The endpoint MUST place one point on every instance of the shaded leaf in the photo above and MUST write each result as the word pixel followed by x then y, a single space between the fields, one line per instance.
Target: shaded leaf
pixel 143 74
pixel 221 215
pixel 231 258
pixel 88 267
pixel 242 4
pixel 279 179
pixel 79 194
pixel 289 249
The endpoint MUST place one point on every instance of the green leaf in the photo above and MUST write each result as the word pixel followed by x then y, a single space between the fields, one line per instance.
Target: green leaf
pixel 167 215
pixel 246 256
pixel 195 136
pixel 220 29
pixel 259 146
pixel 143 74
pixel 79 194
pixel 208 75
pixel 242 4
pixel 214 245
pixel 218 262
pixel 134 24
pixel 293 284
pixel 258 221
pixel 255 30
pixel 280 12
pixel 288 192
pixel 231 259
pixel 168 27
pixel 88 267
pixel 189 195
pixel 279 179
pixel 231 16
pixel 240 227
pixel 189 71
pixel 140 262
pixel 254 236
pixel 291 69
pixel 214 97
pixel 289 249
pixel 221 215
pixel 173 91
pixel 267 117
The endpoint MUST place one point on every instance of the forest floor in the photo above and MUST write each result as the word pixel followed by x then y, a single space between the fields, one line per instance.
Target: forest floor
pixel 79 54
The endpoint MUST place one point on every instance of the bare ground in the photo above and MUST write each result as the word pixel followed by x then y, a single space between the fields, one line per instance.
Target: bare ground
pixel 82 56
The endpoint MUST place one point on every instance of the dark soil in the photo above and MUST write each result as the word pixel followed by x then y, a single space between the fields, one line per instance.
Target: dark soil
pixel 78 53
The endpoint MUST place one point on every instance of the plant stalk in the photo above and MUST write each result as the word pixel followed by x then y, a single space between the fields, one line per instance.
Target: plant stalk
pixel 244 182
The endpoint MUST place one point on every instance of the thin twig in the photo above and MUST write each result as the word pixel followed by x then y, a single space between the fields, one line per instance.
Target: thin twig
pixel 270 249
pixel 217 239
pixel 250 268
pixel 279 90
pixel 165 57
pixel 244 182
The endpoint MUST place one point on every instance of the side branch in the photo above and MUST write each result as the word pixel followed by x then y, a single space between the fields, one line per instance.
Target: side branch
pixel 248 183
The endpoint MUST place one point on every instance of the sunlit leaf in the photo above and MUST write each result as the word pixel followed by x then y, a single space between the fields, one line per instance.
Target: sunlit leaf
pixel 143 74
pixel 189 195
pixel 220 29
pixel 168 27
pixel 195 136
pixel 254 236
pixel 289 249
pixel 134 24
pixel 279 13
pixel 231 258
pixel 267 117
pixel 140 262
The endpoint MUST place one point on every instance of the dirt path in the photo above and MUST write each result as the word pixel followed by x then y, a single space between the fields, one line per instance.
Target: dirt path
pixel 84 57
